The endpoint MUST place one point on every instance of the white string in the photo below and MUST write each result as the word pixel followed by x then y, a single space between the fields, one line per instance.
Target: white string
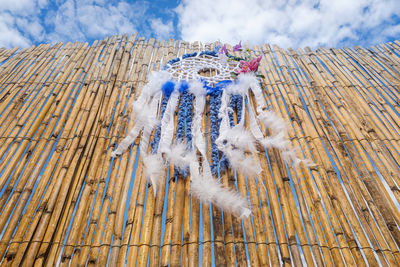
pixel 167 122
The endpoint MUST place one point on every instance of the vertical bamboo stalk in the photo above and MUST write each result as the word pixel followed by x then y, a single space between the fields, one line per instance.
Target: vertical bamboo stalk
pixel 54 200
pixel 31 156
pixel 132 211
pixel 171 223
pixel 61 98
pixel 89 110
pixel 146 228
pixel 179 204
pixel 193 246
pixel 316 198
pixel 346 206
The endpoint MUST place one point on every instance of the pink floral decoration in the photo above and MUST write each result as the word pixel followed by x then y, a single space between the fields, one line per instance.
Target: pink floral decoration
pixel 249 66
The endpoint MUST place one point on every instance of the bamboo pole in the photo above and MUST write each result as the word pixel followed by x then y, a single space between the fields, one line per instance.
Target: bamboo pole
pixel 89 111
pixel 7 67
pixel 171 223
pixel 153 216
pixel 113 193
pixel 364 173
pixel 316 199
pixel 94 175
pixel 354 223
pixel 149 199
pixel 17 107
pixel 6 53
pixel 93 87
pixel 135 191
pixel 117 239
pixel 178 208
pixel 31 156
pixel 16 72
pixel 60 98
pixel 188 209
pixel 319 115
pixel 53 200
pixel 137 208
pixel 364 144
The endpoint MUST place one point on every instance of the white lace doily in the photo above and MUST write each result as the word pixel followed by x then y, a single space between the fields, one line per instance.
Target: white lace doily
pixel 210 68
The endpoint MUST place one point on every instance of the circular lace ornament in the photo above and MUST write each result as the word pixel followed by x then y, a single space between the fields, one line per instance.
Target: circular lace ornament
pixel 206 66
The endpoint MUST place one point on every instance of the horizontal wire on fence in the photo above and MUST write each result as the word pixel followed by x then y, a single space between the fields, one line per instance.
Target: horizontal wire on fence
pixel 200 243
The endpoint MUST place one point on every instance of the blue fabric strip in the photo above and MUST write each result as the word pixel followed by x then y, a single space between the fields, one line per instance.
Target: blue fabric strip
pixel 185 115
pixel 183 133
pixel 215 104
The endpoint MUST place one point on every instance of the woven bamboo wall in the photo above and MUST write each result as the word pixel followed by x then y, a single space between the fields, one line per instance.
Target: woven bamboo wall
pixel 63 199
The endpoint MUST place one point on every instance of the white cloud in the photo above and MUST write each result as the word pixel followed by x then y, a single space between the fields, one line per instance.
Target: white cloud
pixel 287 23
pixel 10 36
pixel 19 23
pixel 42 3
pixel 162 30
pixel 24 22
pixel 21 6
pixel 91 19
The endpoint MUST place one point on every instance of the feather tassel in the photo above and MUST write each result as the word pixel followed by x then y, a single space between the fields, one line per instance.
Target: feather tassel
pixel 206 188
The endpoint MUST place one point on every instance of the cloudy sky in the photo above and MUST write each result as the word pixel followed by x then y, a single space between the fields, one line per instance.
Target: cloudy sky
pixel 290 23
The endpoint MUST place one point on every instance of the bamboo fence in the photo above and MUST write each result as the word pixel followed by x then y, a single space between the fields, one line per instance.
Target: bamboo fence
pixel 65 201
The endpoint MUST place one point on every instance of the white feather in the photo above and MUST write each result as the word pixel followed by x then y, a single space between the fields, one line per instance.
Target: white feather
pixel 156 81
pixel 236 155
pixel 243 139
pixel 234 141
pixel 151 89
pixel 154 169
pixel 239 161
pixel 248 80
pixel 242 85
pixel 197 89
pixel 179 155
pixel 207 189
pixel 145 120
pixel 277 141
pixel 128 140
pixel 272 121
pixel 149 115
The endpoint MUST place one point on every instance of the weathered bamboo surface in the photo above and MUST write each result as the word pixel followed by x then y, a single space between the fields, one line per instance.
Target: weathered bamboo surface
pixel 64 200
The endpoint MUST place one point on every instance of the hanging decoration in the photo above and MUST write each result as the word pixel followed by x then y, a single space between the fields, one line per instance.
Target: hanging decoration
pixel 184 85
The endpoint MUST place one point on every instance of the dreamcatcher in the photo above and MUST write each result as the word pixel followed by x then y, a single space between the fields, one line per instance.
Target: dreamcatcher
pixel 182 85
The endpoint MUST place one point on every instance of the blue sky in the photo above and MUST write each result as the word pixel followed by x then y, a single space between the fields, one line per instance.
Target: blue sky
pixel 291 23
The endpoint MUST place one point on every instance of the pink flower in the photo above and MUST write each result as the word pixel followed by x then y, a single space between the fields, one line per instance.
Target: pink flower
pixel 249 66
pixel 223 50
pixel 238 47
